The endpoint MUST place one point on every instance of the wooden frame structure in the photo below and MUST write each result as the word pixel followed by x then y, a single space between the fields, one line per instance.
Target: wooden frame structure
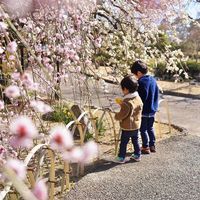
pixel 51 155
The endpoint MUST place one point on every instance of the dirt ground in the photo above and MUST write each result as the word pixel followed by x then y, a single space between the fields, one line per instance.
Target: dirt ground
pixel 188 87
pixel 107 139
pixel 185 87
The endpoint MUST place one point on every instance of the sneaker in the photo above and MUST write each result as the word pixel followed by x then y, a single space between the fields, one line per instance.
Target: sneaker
pixel 145 150
pixel 120 160
pixel 136 158
pixel 153 149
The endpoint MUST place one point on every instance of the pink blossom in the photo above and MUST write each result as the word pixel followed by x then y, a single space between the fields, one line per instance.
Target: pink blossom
pixel 15 76
pixel 83 154
pixel 23 131
pixel 3 26
pixel 34 86
pixel 49 67
pixel 78 68
pixel 18 167
pixel 40 106
pixel 59 36
pixel 1 105
pixel 27 80
pixel 90 150
pixel 38 49
pixel 1 50
pixel 98 42
pixel 61 138
pixel 40 190
pixel 12 91
pixel 71 30
pixel 76 58
pixel 2 151
pixel 18 8
pixel 88 62
pixel 76 155
pixel 37 30
pixel 46 60
pixel 11 57
pixel 12 47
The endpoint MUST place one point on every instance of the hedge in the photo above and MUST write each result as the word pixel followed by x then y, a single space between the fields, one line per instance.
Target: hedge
pixel 191 67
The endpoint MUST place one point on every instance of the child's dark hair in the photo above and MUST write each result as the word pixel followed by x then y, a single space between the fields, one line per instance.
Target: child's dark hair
pixel 139 66
pixel 130 83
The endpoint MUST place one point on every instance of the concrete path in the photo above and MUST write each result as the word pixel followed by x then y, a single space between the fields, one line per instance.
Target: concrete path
pixel 173 173
pixel 185 112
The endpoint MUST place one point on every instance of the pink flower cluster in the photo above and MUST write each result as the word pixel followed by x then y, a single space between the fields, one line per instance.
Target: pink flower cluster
pixel 12 47
pixel 18 167
pixel 62 140
pixel 23 131
pixel 1 105
pixel 12 91
pixel 40 106
pixel 25 79
pixel 40 190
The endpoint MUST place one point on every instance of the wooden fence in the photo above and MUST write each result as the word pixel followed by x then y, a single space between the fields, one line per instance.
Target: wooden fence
pixel 46 154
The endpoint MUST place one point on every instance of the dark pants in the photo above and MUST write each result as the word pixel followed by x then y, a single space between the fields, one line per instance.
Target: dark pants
pixel 147 132
pixel 125 136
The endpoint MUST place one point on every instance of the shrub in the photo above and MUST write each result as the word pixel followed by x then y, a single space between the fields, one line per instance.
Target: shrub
pixel 100 127
pixel 60 114
pixel 191 67
pixel 161 72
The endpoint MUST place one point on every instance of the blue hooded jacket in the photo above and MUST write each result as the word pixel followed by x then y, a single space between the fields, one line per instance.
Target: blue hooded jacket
pixel 149 92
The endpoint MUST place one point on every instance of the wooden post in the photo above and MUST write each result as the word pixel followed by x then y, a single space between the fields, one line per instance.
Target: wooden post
pixel 94 124
pixel 66 178
pixel 52 174
pixel 82 137
pixel 31 177
pixel 116 138
pixel 168 116
pixel 159 124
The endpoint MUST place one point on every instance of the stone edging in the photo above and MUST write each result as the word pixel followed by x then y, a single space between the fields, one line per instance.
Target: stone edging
pixel 178 94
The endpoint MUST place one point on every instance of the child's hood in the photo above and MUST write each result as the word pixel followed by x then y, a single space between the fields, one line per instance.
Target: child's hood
pixel 131 95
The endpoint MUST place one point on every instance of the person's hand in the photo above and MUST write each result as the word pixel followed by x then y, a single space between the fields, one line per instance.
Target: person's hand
pixel 118 100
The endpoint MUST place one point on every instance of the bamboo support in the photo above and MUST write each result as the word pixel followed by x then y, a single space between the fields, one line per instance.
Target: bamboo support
pixel 66 178
pixel 82 137
pixel 94 124
pixel 31 177
pixel 51 174
pixel 159 124
pixel 116 138
pixel 168 116
pixel 19 185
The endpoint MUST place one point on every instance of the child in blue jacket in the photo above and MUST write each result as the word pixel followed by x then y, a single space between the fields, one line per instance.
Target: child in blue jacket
pixel 148 91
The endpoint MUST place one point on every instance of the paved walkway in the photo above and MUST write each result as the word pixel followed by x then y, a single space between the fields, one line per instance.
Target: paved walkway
pixel 185 112
pixel 173 173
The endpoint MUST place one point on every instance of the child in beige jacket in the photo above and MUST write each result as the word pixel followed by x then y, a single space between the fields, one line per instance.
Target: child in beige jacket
pixel 129 117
